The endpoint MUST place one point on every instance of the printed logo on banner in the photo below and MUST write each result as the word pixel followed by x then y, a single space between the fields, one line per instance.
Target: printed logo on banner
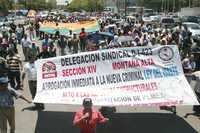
pixel 166 53
pixel 49 70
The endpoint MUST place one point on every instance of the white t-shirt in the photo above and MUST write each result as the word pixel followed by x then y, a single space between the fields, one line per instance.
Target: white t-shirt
pixel 26 43
pixel 69 37
pixel 4 29
pixel 19 30
pixel 31 71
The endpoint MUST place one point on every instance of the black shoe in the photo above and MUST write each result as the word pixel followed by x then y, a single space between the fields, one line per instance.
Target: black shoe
pixel 173 109
pixel 42 107
pixel 174 112
pixel 39 107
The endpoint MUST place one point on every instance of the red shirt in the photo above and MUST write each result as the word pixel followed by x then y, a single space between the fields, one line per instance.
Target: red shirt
pixel 89 125
pixel 82 35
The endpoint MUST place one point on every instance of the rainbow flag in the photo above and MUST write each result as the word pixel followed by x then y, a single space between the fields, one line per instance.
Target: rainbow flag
pixel 63 28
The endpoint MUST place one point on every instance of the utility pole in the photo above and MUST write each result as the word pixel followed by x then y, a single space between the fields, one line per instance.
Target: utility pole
pixel 168 6
pixel 162 6
pixel 174 5
pixel 125 7
pixel 189 3
pixel 95 5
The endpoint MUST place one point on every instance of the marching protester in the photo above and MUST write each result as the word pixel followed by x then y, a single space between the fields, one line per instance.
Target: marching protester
pixel 3 67
pixel 31 31
pixel 87 118
pixel 12 28
pixel 15 66
pixel 57 32
pixel 26 43
pixel 46 41
pixel 13 43
pixel 187 44
pixel 62 45
pixel 7 109
pixel 37 28
pixel 52 50
pixel 30 71
pixel 115 43
pixel 44 53
pixel 69 40
pixel 4 30
pixel 60 35
pixel 19 33
pixel 4 48
pixel 75 43
pixel 83 38
pixel 189 65
pixel 34 50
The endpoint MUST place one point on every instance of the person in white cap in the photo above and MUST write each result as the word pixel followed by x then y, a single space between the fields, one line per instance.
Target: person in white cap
pixel 115 43
pixel 7 109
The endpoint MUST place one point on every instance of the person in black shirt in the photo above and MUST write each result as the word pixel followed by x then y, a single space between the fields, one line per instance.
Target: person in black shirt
pixel 37 28
pixel 44 54
pixel 52 50
pixel 3 67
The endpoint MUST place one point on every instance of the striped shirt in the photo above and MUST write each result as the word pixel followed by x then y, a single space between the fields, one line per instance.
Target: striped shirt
pixel 14 63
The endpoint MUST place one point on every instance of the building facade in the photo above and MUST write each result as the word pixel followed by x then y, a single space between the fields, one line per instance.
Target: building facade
pixel 63 2
pixel 119 4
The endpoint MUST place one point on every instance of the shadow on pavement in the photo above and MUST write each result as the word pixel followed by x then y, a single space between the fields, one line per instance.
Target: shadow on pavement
pixel 195 113
pixel 61 122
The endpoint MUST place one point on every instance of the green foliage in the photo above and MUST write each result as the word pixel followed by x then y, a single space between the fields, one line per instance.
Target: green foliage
pixel 5 5
pixel 41 4
pixel 87 5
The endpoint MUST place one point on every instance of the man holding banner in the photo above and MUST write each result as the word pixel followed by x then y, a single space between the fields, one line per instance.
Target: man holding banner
pixel 116 77
pixel 87 118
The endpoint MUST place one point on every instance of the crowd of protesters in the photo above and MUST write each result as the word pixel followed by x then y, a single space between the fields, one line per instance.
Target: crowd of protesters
pixel 138 32
pixel 29 38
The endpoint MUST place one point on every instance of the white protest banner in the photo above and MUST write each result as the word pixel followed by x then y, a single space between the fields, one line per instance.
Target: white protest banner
pixel 125 76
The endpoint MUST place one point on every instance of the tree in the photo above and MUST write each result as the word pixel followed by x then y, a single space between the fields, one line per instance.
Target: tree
pixel 51 4
pixel 5 5
pixel 37 4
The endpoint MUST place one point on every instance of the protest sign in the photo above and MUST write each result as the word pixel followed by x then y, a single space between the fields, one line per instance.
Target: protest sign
pixel 116 77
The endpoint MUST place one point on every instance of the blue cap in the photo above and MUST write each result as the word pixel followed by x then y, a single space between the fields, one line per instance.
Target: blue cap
pixel 3 80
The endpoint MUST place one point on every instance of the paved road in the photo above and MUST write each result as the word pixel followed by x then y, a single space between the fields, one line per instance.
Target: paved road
pixel 58 119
